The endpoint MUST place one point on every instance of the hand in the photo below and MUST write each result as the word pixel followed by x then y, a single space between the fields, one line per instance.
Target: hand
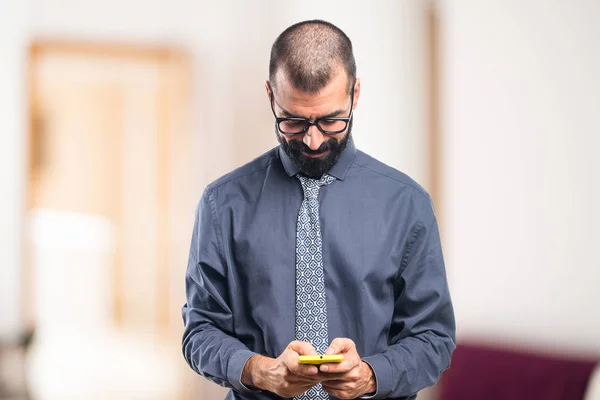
pixel 284 376
pixel 352 377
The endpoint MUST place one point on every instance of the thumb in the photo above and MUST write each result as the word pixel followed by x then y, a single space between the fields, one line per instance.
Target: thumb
pixel 302 348
pixel 340 346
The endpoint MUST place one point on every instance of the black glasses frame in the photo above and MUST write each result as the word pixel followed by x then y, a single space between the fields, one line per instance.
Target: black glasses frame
pixel 308 123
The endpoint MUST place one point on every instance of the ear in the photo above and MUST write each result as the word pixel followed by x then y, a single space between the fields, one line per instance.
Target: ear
pixel 356 92
pixel 269 91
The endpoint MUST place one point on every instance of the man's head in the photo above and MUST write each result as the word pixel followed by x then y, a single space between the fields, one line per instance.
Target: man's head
pixel 312 75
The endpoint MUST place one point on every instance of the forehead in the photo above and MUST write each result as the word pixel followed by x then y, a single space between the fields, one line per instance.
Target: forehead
pixel 333 95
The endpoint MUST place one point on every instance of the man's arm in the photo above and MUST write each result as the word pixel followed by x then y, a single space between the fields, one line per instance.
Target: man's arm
pixel 423 326
pixel 208 345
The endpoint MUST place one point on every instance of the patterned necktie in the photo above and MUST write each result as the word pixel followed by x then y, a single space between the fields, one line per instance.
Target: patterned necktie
pixel 311 305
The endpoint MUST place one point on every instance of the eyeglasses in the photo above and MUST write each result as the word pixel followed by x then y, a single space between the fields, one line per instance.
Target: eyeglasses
pixel 327 125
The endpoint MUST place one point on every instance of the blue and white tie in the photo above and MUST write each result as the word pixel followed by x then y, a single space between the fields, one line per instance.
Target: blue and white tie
pixel 311 304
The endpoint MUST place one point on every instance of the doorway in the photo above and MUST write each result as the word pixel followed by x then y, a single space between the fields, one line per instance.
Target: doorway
pixel 108 204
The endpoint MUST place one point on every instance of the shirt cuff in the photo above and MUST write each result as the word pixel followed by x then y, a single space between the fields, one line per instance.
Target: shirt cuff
pixel 235 367
pixel 369 396
pixel 384 377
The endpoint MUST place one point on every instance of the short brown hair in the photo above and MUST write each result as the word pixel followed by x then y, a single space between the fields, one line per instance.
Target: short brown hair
pixel 309 52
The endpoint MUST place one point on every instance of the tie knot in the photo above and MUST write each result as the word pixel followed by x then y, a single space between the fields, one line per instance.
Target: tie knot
pixel 311 186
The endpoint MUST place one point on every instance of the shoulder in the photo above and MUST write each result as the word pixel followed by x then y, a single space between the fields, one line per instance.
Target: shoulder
pixel 256 168
pixel 396 188
pixel 388 175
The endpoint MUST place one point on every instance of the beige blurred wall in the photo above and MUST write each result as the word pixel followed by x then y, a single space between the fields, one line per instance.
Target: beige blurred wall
pixel 520 105
pixel 13 28
pixel 230 44
pixel 521 188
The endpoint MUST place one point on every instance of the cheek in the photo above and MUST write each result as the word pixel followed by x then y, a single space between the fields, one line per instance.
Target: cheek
pixel 290 138
pixel 339 138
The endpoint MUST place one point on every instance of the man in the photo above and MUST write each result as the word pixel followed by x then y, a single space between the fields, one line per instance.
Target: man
pixel 315 247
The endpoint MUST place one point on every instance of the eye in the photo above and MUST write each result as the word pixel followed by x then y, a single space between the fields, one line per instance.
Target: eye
pixel 332 125
pixel 294 123
pixel 330 122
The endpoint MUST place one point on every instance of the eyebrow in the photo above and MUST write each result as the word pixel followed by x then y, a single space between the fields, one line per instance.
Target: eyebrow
pixel 287 114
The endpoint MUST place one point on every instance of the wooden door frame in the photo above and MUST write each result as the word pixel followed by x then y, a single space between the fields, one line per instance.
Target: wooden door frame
pixel 433 107
pixel 168 56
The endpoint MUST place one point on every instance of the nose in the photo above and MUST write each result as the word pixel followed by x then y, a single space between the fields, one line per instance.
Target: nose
pixel 313 138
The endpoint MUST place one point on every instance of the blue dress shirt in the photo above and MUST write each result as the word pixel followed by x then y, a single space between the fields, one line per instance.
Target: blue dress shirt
pixel 385 279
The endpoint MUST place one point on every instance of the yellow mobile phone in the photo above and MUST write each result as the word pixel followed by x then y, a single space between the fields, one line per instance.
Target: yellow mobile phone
pixel 317 360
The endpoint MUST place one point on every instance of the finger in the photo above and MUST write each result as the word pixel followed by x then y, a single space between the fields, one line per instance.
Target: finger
pixel 351 361
pixel 335 384
pixel 302 380
pixel 330 377
pixel 302 348
pixel 291 361
pixel 340 393
pixel 340 346
pixel 305 370
pixel 338 368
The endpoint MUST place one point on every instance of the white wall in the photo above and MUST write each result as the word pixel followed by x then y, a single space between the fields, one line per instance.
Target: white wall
pixel 521 186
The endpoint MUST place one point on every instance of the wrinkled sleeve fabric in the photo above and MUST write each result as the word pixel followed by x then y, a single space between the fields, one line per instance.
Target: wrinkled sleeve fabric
pixel 209 345
pixel 422 332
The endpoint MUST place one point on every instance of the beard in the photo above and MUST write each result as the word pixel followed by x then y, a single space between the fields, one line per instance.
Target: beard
pixel 314 167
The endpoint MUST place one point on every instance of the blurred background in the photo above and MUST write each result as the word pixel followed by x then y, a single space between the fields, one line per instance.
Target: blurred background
pixel 114 115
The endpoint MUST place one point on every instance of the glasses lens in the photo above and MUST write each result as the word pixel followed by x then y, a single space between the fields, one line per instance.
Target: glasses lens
pixel 332 125
pixel 292 126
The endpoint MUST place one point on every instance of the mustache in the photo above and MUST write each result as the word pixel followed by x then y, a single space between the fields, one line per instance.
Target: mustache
pixel 300 146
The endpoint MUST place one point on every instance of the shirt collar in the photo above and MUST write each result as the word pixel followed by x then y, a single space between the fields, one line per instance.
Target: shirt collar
pixel 338 171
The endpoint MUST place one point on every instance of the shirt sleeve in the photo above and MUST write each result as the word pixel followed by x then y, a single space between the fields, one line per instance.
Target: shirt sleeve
pixel 209 346
pixel 423 328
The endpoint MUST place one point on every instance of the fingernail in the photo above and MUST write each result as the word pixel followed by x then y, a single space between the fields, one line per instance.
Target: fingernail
pixel 324 368
pixel 329 351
